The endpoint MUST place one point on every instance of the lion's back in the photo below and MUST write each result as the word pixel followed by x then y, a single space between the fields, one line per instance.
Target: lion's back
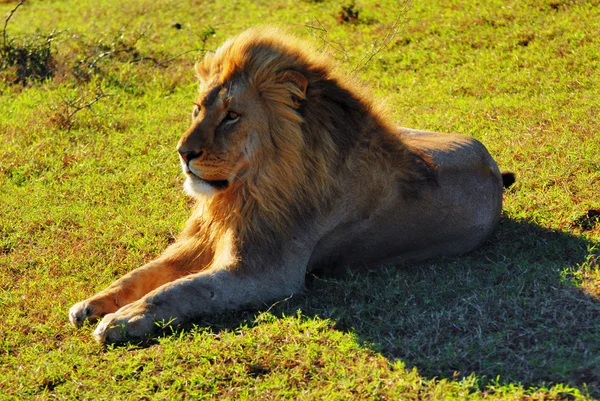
pixel 449 217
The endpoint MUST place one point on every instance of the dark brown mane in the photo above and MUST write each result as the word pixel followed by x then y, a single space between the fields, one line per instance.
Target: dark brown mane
pixel 311 136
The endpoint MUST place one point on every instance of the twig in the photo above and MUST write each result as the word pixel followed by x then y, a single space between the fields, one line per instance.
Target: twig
pixel 326 42
pixel 77 107
pixel 278 302
pixel 366 59
pixel 166 62
pixel 386 41
pixel 8 19
pixel 117 48
pixel 74 106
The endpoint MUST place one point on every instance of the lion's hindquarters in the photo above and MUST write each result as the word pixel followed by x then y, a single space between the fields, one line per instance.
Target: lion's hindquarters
pixel 450 217
pixel 466 205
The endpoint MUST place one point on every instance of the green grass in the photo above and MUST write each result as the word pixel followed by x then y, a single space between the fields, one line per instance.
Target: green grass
pixel 89 192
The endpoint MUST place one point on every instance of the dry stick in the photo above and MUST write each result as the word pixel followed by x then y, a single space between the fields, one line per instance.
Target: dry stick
pixel 159 63
pixel 360 65
pixel 78 107
pixel 8 19
pixel 74 106
pixel 326 42
pixel 166 62
pixel 110 53
pixel 386 41
pixel 278 302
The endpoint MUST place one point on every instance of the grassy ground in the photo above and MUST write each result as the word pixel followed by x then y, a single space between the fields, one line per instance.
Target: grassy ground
pixel 90 188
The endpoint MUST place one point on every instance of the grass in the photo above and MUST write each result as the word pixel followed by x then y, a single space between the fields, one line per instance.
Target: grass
pixel 90 188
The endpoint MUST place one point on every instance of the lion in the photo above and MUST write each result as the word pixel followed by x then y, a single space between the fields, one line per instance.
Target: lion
pixel 294 169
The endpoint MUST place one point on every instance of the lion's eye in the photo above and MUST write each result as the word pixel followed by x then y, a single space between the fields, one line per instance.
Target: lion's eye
pixel 230 118
pixel 232 115
pixel 196 110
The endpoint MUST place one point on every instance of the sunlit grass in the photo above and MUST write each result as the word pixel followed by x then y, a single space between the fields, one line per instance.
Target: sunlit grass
pixel 84 202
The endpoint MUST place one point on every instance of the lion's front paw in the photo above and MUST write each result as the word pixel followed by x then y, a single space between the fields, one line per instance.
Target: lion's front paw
pixel 82 311
pixel 130 323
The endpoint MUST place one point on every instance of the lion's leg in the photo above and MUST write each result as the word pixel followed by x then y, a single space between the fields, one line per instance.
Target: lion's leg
pixel 208 292
pixel 174 264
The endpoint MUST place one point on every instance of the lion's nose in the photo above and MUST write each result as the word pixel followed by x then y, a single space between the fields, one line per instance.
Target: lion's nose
pixel 188 155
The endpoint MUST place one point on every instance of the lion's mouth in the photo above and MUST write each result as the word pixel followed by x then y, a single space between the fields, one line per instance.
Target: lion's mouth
pixel 216 184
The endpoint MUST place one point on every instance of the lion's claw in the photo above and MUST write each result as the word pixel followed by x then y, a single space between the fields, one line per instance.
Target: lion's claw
pixel 127 324
pixel 81 312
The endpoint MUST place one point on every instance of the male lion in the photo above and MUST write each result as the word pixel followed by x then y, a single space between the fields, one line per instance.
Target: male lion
pixel 293 169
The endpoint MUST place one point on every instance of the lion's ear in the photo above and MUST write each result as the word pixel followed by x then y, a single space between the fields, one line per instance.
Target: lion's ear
pixel 203 67
pixel 298 80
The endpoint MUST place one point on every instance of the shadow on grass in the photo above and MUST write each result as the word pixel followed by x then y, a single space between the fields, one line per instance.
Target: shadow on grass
pixel 512 309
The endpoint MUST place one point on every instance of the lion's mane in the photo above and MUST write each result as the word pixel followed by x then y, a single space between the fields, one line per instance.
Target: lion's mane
pixel 307 139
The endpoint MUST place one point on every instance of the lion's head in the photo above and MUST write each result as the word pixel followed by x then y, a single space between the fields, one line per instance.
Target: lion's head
pixel 217 149
pixel 246 113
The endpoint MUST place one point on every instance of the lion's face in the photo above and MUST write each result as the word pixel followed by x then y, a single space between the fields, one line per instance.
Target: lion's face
pixel 216 150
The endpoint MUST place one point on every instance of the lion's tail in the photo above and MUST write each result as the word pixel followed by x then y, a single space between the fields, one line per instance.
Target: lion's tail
pixel 508 178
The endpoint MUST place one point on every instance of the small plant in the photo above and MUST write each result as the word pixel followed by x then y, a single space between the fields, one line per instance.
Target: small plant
pixel 64 113
pixel 348 14
pixel 124 48
pixel 120 47
pixel 587 221
pixel 30 60
pixel 205 35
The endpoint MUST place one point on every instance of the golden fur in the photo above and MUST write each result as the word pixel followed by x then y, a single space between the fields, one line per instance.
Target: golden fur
pixel 294 168
pixel 268 204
